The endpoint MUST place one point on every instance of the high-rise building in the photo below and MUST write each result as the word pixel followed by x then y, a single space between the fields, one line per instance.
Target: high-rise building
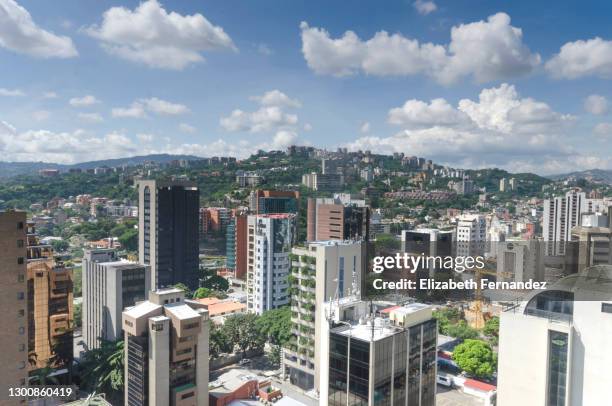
pixel 168 231
pixel 554 348
pixel 560 215
pixel 589 246
pixel 337 219
pixel 321 271
pixel 241 246
pixel 274 201
pixel 50 310
pixel 166 351
pixel 428 242
pixel 512 183
pixel 109 285
pixel 519 260
pixel 13 291
pixel 269 238
pixel 330 182
pixel 471 235
pixel 379 361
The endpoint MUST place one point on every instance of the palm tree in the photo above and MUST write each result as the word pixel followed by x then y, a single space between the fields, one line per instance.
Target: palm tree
pixel 42 376
pixel 102 368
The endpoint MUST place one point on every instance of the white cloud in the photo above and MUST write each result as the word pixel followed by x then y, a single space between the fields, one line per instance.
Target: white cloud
pixel 157 38
pixel 284 139
pixel 164 107
pixel 576 59
pixel 596 104
pixel 41 115
pixel 186 128
pixel 139 108
pixel 91 117
pixel 62 147
pixel 20 34
pixel 424 7
pixel 84 101
pixel 307 127
pixel 271 116
pixel 11 92
pixel 485 50
pixel 276 98
pixel 264 49
pixel 49 95
pixel 603 130
pixel 135 110
pixel 499 129
pixel 365 127
pixel 415 114
pixel 147 138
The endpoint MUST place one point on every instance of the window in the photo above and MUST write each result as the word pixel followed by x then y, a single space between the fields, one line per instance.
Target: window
pixel 19 243
pixel 21 330
pixel 606 307
pixel 21 312
pixel 20 278
pixel 20 295
pixel 20 260
pixel 20 225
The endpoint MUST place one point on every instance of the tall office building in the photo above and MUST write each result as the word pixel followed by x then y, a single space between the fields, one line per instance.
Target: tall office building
pixel 554 348
pixel 270 237
pixel 13 288
pixel 166 351
pixel 241 246
pixel 520 260
pixel 274 201
pixel 321 271
pixel 589 246
pixel 337 219
pixel 560 215
pixel 168 231
pixel 50 310
pixel 428 242
pixel 471 235
pixel 109 285
pixel 383 361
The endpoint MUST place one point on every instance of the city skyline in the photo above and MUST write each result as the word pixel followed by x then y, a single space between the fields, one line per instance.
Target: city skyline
pixel 479 86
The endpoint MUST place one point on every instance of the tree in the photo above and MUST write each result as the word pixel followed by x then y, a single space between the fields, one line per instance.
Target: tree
pixel 275 325
pixel 241 329
pixel 476 358
pixel 78 314
pixel 59 245
pixel 491 327
pixel 129 240
pixel 184 288
pixel 446 316
pixel 102 369
pixel 461 330
pixel 219 342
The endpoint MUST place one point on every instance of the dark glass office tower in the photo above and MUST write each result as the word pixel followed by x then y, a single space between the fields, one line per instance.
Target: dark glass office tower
pixel 168 231
pixel 387 366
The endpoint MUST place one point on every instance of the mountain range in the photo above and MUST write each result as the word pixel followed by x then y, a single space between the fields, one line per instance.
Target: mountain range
pixel 592 175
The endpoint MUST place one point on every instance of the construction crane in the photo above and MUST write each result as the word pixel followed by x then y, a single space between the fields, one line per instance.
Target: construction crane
pixel 475 315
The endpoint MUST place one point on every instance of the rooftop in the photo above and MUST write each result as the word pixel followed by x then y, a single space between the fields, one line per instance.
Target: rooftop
pixel 141 309
pixel 181 311
pixel 369 331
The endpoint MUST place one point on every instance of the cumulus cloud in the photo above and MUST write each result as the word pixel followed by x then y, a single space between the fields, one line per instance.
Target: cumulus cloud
pixel 424 7
pixel 596 104
pixel 284 139
pixel 484 50
pixel 276 98
pixel 577 59
pixel 91 117
pixel 62 147
pixel 157 38
pixel 19 33
pixel 186 128
pixel 139 108
pixel 84 101
pixel 498 129
pixel 271 115
pixel 11 92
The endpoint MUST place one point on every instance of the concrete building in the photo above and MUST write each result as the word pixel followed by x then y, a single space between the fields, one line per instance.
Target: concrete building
pixel 560 215
pixel 589 246
pixel 166 351
pixel 337 219
pixel 513 184
pixel 109 285
pixel 168 231
pixel 322 271
pixel 429 242
pixel 471 235
pixel 383 361
pixel 13 291
pixel 329 182
pixel 520 260
pixel 503 185
pixel 50 312
pixel 274 201
pixel 554 348
pixel 269 238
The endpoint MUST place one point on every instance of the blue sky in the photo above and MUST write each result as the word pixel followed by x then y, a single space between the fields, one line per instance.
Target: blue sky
pixel 519 85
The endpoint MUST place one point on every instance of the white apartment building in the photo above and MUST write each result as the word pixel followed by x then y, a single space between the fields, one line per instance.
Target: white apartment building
pixel 270 237
pixel 560 215
pixel 322 271
pixel 554 349
pixel 471 235
pixel 109 285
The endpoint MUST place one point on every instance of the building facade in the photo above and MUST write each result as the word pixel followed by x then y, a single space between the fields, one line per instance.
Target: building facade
pixel 168 231
pixel 13 290
pixel 166 351
pixel 109 285
pixel 334 219
pixel 561 214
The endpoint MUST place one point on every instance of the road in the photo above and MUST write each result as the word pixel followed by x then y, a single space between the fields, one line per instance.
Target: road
pixel 455 397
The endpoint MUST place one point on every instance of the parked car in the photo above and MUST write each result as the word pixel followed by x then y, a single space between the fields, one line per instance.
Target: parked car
pixel 244 361
pixel 444 380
